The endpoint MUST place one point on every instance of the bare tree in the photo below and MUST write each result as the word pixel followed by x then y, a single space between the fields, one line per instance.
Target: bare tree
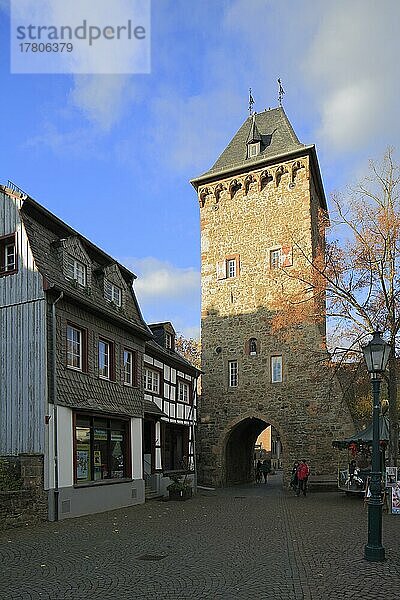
pixel 357 275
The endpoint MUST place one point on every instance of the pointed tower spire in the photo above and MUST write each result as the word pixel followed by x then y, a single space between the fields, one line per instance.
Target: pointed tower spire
pixel 251 102
pixel 254 134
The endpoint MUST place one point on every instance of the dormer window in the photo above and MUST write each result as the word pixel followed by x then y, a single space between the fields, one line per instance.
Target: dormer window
pixel 112 293
pixel 76 270
pixel 253 149
pixel 168 340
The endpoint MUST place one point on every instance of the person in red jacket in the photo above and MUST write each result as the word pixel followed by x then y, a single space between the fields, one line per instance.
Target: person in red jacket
pixel 303 471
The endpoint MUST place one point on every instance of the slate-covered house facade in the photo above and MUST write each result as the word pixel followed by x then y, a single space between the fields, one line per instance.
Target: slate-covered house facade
pixel 170 405
pixel 72 345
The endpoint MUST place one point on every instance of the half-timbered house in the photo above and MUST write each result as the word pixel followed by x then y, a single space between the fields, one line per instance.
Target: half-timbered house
pixel 170 404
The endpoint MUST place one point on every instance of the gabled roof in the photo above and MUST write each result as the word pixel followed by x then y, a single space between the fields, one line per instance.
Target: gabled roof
pixel 45 232
pixel 170 356
pixel 276 135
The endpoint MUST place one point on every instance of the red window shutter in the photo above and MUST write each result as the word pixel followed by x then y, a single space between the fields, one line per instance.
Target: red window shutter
pixel 287 256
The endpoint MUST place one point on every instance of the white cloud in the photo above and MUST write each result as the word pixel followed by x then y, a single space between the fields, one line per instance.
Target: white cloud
pixel 103 99
pixel 353 65
pixel 159 280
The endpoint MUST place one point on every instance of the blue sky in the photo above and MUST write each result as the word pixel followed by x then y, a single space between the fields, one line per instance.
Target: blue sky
pixel 113 155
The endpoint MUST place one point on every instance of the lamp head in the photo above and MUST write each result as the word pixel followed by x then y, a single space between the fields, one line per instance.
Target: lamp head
pixel 376 354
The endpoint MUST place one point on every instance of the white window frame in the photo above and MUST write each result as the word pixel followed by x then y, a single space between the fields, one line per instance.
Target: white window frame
pixel 231 270
pixel 168 340
pixel 151 380
pixel 233 373
pixel 10 266
pixel 276 363
pixel 112 293
pixel 253 149
pixel 128 367
pixel 76 270
pixel 106 353
pixel 76 344
pixel 183 392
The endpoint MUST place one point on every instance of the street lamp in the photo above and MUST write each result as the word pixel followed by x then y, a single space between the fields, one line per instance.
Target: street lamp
pixel 376 355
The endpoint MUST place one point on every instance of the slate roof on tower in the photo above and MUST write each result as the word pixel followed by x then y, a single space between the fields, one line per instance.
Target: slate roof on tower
pixel 277 138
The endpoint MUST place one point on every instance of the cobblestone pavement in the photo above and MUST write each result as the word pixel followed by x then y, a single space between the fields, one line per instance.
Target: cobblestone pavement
pixel 242 543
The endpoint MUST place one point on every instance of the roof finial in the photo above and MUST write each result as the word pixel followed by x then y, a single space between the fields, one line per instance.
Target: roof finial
pixel 280 93
pixel 251 102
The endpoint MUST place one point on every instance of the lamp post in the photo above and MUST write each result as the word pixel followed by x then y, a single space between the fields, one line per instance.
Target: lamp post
pixel 376 354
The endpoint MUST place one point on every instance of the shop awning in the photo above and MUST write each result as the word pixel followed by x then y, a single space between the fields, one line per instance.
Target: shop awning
pixel 365 435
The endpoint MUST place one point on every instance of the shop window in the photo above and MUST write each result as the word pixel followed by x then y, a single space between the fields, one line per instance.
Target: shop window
pixel 101 448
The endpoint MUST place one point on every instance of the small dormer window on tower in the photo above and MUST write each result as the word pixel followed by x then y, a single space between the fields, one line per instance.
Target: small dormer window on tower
pixel 253 149
pixel 253 139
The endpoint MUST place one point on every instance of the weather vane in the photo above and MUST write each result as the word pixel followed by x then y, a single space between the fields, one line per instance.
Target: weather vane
pixel 281 92
pixel 251 102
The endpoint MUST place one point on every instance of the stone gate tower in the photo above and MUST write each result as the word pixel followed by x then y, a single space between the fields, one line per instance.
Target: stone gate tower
pixel 259 213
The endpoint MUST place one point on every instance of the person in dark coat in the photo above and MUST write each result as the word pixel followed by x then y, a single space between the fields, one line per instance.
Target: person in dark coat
pixel 293 477
pixel 265 470
pixel 258 471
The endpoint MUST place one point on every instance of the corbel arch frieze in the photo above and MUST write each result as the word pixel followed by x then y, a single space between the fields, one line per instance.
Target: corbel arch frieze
pixel 279 172
pixel 203 193
pixel 264 178
pixel 247 181
pixel 234 186
pixel 218 190
pixel 294 168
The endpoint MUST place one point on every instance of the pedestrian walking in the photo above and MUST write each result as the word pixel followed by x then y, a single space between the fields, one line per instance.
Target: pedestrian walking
pixel 303 472
pixel 265 470
pixel 258 472
pixel 293 477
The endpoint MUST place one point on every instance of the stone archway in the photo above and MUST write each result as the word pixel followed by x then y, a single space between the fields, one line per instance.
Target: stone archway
pixel 238 456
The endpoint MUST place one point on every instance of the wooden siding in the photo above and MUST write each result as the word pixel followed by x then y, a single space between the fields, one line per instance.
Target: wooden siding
pixel 23 389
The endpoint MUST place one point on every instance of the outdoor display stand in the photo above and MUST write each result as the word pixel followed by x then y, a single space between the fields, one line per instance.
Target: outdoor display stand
pixel 358 448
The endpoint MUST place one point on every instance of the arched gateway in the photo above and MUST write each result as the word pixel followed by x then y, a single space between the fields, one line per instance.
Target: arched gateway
pixel 238 458
pixel 261 209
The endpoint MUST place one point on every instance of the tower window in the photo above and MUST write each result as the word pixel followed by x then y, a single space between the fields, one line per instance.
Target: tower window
pixel 275 257
pixel 233 373
pixel 231 267
pixel 253 347
pixel 276 369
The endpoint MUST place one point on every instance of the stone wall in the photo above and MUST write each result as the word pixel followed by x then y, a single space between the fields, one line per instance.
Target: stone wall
pixel 246 220
pixel 28 505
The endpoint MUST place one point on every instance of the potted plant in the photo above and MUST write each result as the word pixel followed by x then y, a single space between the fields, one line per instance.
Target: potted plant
pixel 180 489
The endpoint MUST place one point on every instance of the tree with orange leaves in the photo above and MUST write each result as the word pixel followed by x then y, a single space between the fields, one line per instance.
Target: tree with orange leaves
pixel 355 276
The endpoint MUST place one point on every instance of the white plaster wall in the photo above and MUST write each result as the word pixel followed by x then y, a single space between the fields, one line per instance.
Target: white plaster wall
pixel 136 446
pixel 65 448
